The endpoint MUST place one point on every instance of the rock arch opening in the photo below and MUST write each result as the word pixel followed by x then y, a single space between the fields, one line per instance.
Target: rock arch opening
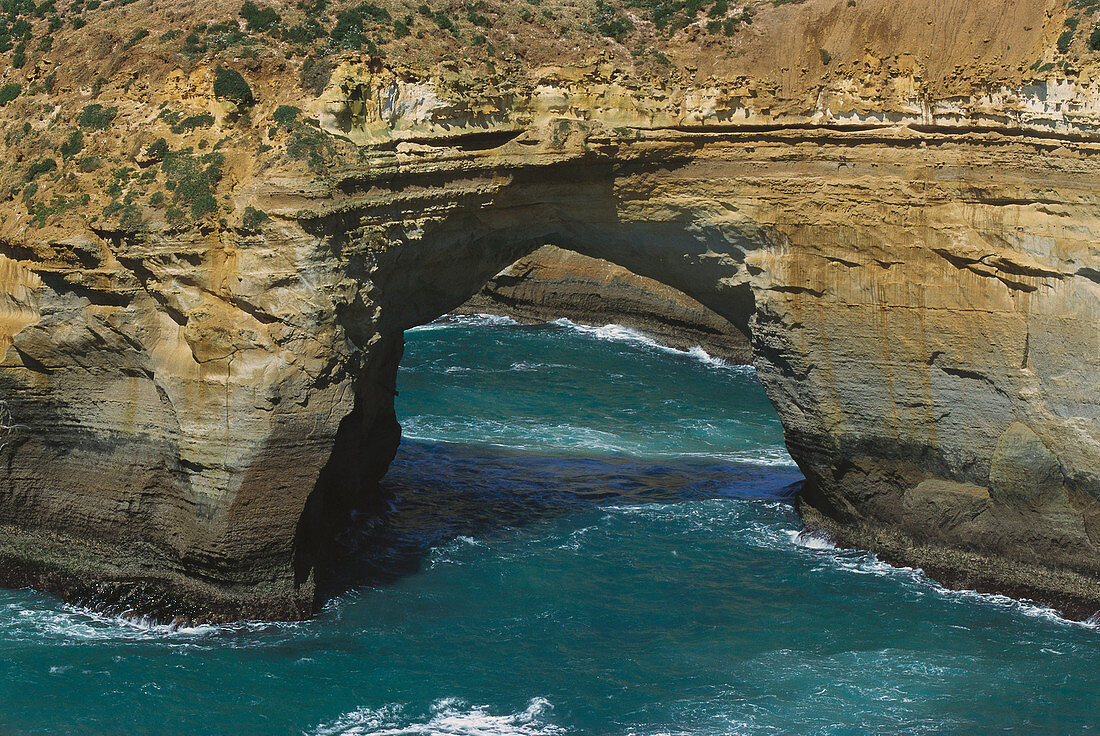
pixel 579 282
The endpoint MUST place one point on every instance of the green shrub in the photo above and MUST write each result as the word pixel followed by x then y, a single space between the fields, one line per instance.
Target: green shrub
pixel 311 146
pixel 230 85
pixel 193 180
pixel 305 32
pixel 1065 40
pixel 9 92
pixel 157 199
pixel 444 21
pixel 175 215
pixel 157 150
pixel 193 45
pixel 286 115
pixel 42 166
pixel 73 145
pixel 260 21
pixel 611 23
pixel 1094 39
pixel 669 15
pixel 139 35
pixel 252 218
pixel 41 212
pixel 202 120
pixel 21 29
pixel 348 33
pixel 96 116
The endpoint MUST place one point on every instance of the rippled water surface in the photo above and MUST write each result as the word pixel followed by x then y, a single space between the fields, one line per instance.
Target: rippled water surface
pixel 588 534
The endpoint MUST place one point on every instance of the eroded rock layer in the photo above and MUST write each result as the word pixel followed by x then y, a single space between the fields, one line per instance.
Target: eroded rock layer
pixel 552 283
pixel 906 226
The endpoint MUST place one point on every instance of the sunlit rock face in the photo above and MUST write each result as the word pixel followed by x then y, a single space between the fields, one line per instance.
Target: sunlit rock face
pixel 552 283
pixel 192 409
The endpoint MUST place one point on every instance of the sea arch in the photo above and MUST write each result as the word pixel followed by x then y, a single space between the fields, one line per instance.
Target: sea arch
pixel 926 334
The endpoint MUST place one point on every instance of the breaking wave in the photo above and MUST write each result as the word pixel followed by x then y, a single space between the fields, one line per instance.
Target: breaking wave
pixel 447 717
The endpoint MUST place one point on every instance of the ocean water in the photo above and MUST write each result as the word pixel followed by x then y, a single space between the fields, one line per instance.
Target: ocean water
pixel 586 534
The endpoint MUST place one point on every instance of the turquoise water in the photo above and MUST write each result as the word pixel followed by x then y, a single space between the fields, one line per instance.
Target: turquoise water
pixel 587 534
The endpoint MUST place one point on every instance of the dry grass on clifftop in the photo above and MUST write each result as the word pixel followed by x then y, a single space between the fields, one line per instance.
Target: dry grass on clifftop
pixel 109 117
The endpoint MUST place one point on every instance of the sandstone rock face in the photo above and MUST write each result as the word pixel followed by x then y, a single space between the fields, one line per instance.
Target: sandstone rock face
pixel 910 238
pixel 552 283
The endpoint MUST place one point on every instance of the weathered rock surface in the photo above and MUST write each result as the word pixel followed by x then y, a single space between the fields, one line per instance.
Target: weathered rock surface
pixel 910 236
pixel 552 283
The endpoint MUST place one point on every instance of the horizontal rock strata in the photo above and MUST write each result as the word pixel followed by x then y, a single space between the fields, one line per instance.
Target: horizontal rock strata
pixel 905 225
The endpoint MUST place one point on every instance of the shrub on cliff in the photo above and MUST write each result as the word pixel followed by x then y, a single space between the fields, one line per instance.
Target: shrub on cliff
pixel 96 117
pixel 42 166
pixel 305 32
pixel 252 218
pixel 203 120
pixel 1066 38
pixel 1094 39
pixel 73 145
pixel 193 180
pixel 158 150
pixel 139 35
pixel 349 33
pixel 230 85
pixel 286 115
pixel 609 22
pixel 257 19
pixel 9 92
pixel 670 15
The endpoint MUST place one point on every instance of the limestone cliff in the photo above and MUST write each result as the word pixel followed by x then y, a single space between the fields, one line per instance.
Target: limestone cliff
pixel 552 283
pixel 212 242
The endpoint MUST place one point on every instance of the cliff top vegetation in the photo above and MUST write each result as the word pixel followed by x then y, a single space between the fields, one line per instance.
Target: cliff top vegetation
pixel 122 113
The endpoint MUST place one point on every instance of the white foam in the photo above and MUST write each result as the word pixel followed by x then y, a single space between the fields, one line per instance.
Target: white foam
pixel 528 367
pixel 531 435
pixel 465 320
pixel 868 563
pixel 449 717
pixel 619 333
pixel 78 624
pixel 811 540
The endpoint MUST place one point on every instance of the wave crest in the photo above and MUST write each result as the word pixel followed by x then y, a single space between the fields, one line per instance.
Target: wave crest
pixel 449 717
